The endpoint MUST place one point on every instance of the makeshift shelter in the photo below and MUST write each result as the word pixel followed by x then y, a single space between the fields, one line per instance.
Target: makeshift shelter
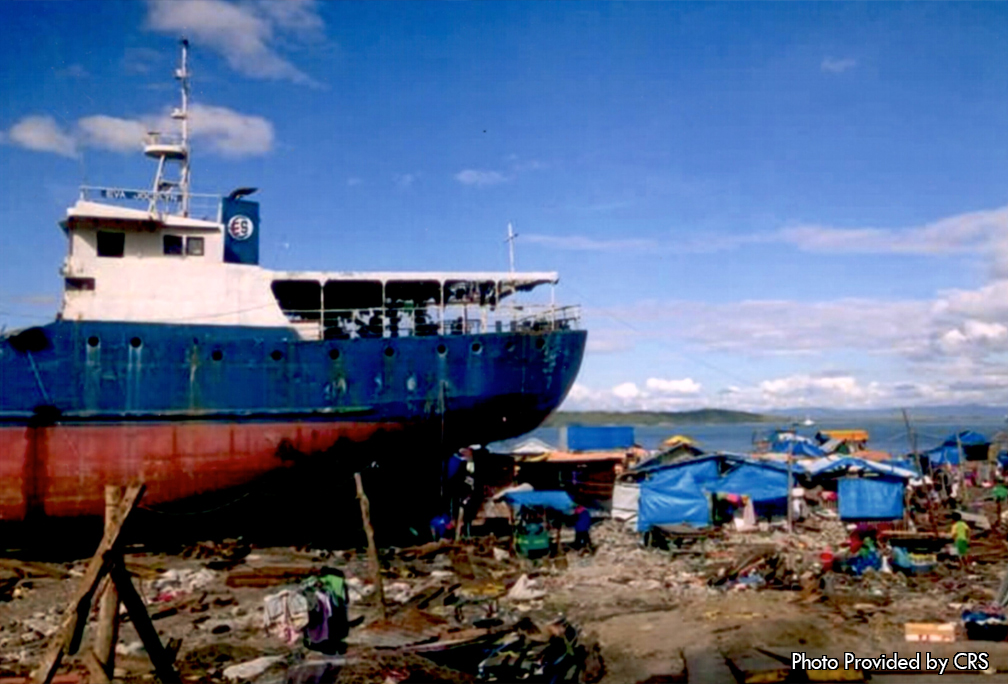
pixel 970 444
pixel 796 447
pixel 675 448
pixel 680 493
pixel 866 490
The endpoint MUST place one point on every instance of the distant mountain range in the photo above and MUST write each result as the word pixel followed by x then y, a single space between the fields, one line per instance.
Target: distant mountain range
pixel 964 412
pixel 699 416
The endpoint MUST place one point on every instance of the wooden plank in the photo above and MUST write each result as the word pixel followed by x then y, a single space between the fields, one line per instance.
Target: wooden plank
pixel 752 667
pixel 707 666
pixel 80 606
pixel 162 660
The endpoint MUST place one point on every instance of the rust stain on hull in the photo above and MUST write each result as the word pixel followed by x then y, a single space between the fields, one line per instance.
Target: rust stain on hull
pixel 61 470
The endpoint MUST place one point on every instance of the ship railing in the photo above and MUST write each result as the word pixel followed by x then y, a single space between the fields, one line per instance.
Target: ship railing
pixel 314 324
pixel 201 206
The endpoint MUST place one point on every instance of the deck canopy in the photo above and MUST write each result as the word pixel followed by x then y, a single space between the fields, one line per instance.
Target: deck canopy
pixel 355 290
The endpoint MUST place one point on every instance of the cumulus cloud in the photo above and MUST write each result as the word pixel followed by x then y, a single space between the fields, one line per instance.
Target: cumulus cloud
pixel 626 390
pixel 218 129
pixel 246 35
pixel 480 178
pixel 582 243
pixel 42 134
pixel 684 386
pixel 832 65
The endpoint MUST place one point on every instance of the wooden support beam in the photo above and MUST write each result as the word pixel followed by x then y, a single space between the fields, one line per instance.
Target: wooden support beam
pixel 373 561
pixel 67 637
pixel 162 660
pixel 107 633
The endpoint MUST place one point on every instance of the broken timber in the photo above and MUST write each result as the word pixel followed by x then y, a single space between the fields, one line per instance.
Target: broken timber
pixel 107 560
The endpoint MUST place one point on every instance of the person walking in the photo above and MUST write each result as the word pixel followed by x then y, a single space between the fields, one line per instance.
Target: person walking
pixel 960 536
pixel 582 530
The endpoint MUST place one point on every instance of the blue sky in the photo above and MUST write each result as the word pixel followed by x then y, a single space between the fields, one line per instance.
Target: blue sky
pixel 759 205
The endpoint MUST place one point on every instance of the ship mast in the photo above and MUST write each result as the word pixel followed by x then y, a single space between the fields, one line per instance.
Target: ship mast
pixel 173 151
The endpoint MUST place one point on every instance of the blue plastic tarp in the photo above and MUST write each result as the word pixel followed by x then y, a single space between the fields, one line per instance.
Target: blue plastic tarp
pixel 703 469
pixel 943 455
pixel 833 464
pixel 759 483
pixel 796 448
pixel 679 502
pixel 558 501
pixel 862 498
pixel 966 438
pixel 599 438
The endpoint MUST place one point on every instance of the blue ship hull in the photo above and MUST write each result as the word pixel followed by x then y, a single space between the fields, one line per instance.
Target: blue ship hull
pixel 193 409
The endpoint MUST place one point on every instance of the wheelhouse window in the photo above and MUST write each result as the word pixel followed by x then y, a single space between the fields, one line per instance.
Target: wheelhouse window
pixel 194 246
pixel 80 284
pixel 173 245
pixel 111 244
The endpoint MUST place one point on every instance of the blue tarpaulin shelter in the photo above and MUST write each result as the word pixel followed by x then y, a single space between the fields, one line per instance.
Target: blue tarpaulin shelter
pixel 875 498
pixel 672 502
pixel 974 447
pixel 558 501
pixel 678 493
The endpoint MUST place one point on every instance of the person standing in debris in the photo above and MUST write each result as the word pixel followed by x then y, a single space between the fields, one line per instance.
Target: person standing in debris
pixel 582 529
pixel 960 535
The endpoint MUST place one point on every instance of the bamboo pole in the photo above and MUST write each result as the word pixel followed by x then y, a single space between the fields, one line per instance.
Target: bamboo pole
pixel 365 508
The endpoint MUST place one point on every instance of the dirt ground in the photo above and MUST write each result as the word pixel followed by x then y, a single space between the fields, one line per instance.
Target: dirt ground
pixel 643 606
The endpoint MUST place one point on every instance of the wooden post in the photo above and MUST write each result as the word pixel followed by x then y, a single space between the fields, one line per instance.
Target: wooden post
pixel 365 508
pixel 69 634
pixel 107 634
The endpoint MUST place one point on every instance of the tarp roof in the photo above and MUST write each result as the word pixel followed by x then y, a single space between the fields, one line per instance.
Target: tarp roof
pixel 966 438
pixel 846 435
pixel 555 500
pixel 832 464
pixel 796 448
pixel 870 499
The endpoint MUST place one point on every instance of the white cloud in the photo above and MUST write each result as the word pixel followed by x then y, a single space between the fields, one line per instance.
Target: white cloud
pixel 245 34
pixel 353 181
pixel 42 134
pixel 112 133
pixel 231 133
pixel 479 178
pixel 837 66
pixel 684 386
pixel 582 243
pixel 217 129
pixel 626 390
pixel 406 180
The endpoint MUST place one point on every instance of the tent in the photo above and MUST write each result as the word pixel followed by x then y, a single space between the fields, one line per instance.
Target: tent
pixel 875 498
pixel 974 448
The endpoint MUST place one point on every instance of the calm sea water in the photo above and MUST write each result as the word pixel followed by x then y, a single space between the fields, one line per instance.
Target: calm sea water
pixel 885 435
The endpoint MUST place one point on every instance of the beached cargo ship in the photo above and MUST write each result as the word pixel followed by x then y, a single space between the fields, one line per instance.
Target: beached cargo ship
pixel 178 360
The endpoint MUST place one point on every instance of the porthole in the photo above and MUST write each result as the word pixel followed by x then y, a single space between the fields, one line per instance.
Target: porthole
pixel 334 354
pixel 92 341
pixel 136 342
pixel 217 355
pixel 442 350
pixel 540 343
pixel 389 351
pixel 477 347
pixel 276 355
